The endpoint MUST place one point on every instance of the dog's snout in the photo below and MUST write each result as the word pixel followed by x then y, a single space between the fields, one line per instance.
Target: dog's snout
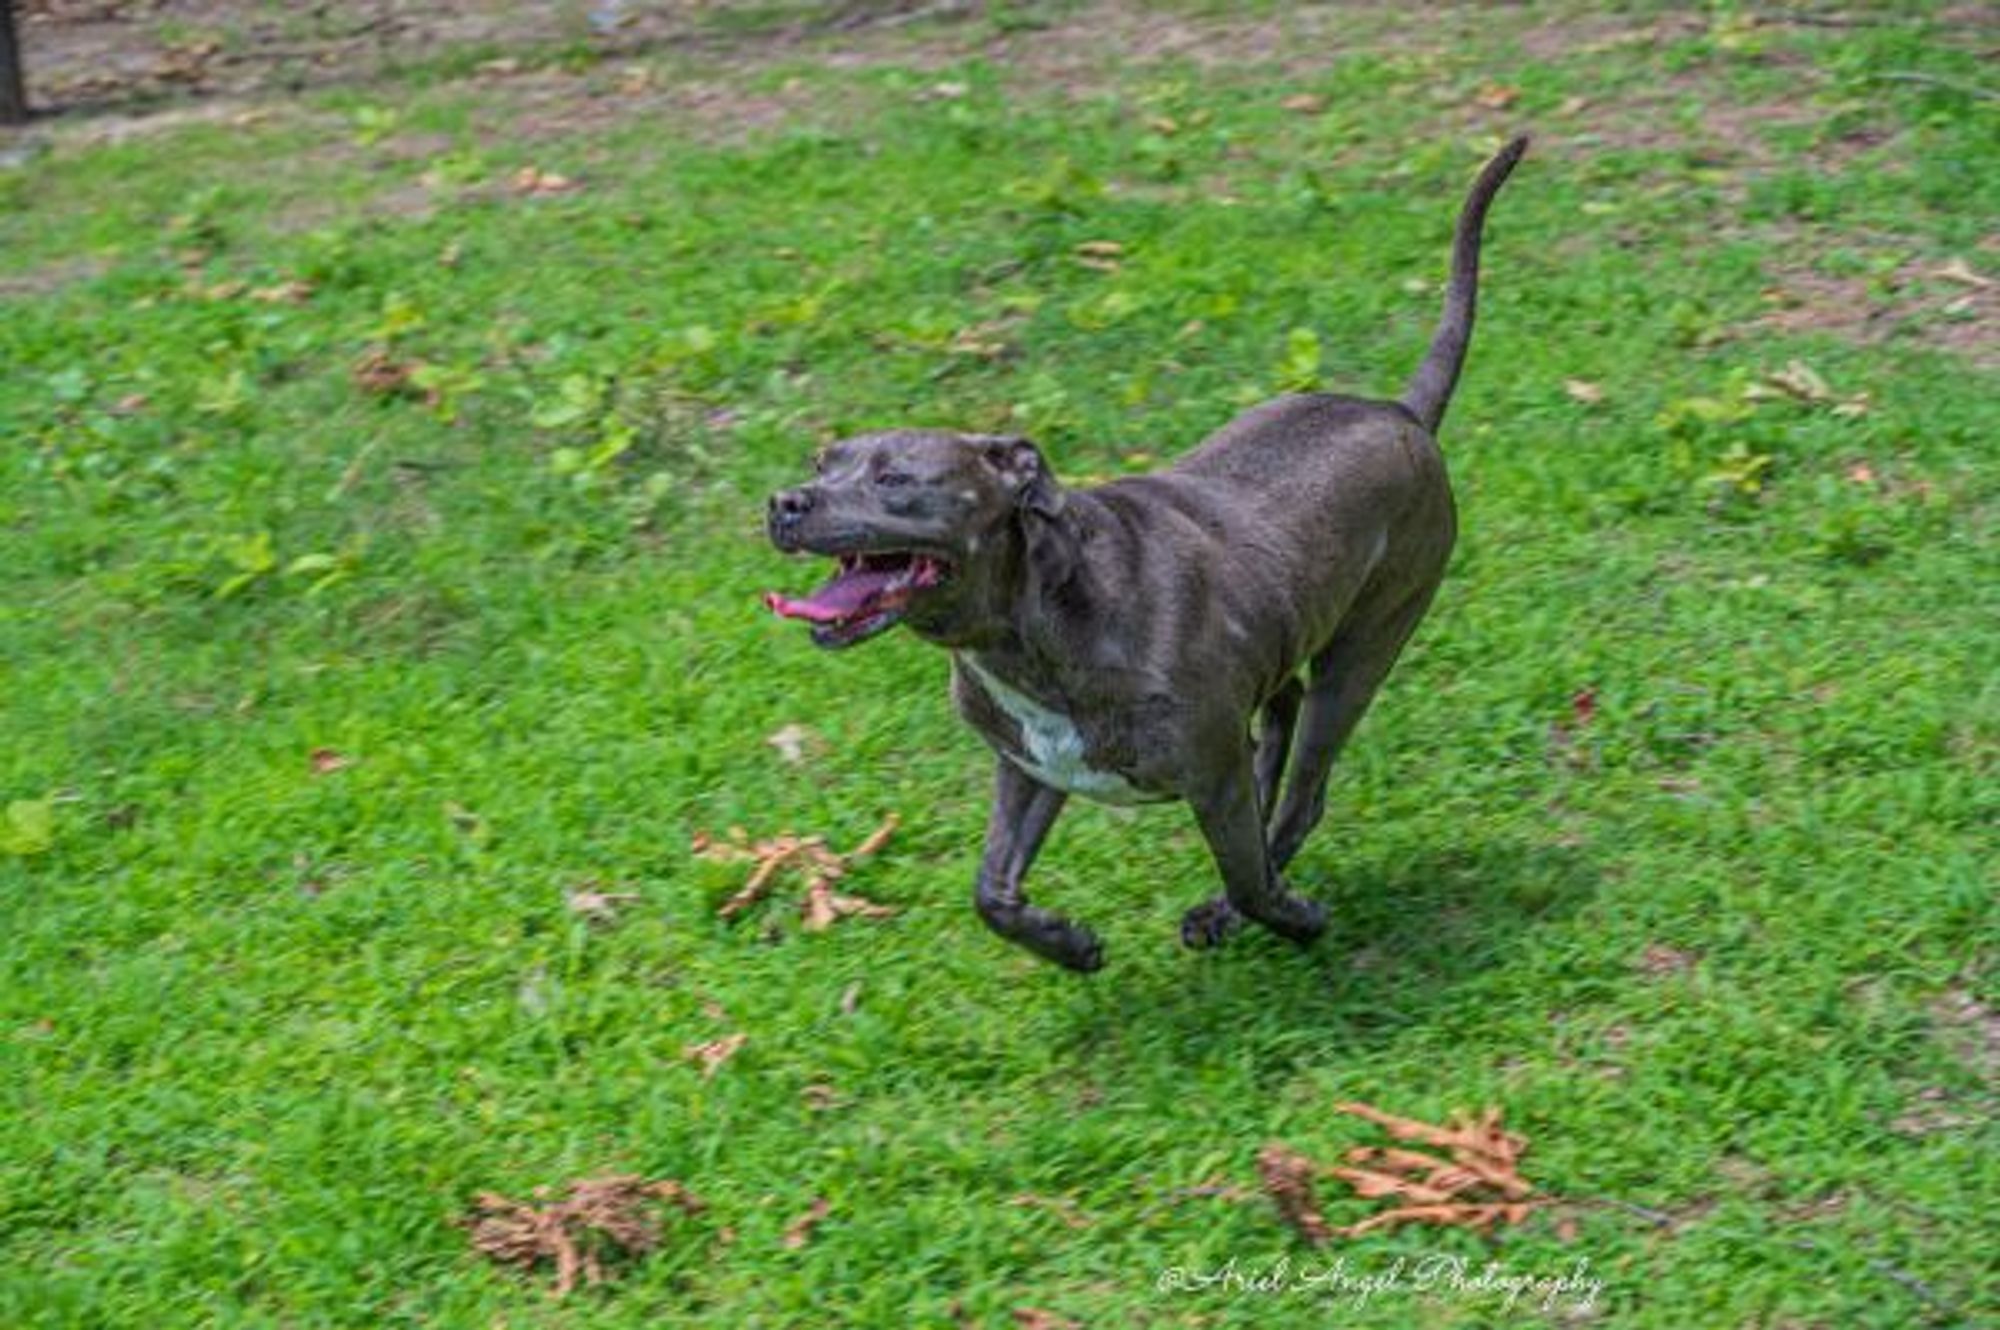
pixel 788 509
pixel 791 505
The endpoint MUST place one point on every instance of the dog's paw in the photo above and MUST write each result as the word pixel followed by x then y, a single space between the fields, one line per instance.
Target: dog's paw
pixel 1084 954
pixel 1209 923
pixel 1297 919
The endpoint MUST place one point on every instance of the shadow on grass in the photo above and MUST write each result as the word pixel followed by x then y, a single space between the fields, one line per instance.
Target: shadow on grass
pixel 1404 939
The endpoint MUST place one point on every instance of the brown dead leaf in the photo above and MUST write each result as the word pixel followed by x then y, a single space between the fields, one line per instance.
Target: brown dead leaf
pixel 326 761
pixel 799 1232
pixel 599 1218
pixel 821 906
pixel 379 372
pixel 715 1052
pixel 795 742
pixel 1571 105
pixel 1475 1185
pixel 599 907
pixel 1483 1135
pixel 1305 103
pixel 1861 473
pixel 1288 1181
pixel 1958 270
pixel 1583 390
pixel 1497 96
pixel 534 182
pixel 292 292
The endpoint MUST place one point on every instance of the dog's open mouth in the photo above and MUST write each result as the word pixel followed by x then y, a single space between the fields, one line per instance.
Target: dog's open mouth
pixel 868 594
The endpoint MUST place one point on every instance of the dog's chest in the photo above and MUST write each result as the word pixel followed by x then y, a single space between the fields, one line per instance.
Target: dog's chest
pixel 1040 740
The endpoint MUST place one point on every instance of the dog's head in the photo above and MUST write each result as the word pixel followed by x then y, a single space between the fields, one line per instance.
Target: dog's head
pixel 930 528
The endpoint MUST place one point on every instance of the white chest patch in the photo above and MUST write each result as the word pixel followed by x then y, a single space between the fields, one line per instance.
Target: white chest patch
pixel 1052 747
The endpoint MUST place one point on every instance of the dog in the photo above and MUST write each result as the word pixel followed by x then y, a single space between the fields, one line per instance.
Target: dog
pixel 1118 641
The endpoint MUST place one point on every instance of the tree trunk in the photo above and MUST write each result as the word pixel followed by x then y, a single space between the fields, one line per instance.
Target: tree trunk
pixel 13 93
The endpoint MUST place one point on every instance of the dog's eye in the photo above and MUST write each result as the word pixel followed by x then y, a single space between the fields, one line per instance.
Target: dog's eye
pixel 893 478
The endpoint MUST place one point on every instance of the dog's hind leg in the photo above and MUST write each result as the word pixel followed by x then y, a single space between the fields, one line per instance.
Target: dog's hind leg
pixel 1233 825
pixel 1215 919
pixel 1341 683
pixel 1023 811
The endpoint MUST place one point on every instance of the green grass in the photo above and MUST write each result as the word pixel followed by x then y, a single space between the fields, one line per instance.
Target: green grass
pixel 265 1031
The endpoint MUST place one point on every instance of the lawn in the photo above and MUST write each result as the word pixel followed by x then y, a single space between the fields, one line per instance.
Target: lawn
pixel 381 509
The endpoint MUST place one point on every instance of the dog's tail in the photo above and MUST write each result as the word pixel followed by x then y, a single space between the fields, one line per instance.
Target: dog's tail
pixel 1430 388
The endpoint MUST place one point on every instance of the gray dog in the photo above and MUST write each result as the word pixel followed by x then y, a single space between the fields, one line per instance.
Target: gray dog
pixel 1117 642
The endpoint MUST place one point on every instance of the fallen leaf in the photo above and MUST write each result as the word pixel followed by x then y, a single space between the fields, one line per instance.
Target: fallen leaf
pixel 29 827
pixel 799 1231
pixel 1583 705
pixel 1497 96
pixel 821 905
pixel 794 741
pixel 1484 1135
pixel 600 1217
pixel 537 183
pixel 1571 105
pixel 714 1053
pixel 1583 390
pixel 379 372
pixel 1288 1181
pixel 1861 473
pixel 284 293
pixel 822 1098
pixel 1305 103
pixel 325 761
pixel 599 907
pixel 1958 270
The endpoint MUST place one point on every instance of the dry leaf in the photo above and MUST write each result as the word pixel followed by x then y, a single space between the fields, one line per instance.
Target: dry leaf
pixel 535 182
pixel 1583 706
pixel 799 1231
pixel 1305 103
pixel 378 372
pixel 1958 270
pixel 1497 96
pixel 821 905
pixel 599 907
pixel 1861 473
pixel 325 761
pixel 1288 1181
pixel 715 1052
pixel 822 1098
pixel 600 1217
pixel 284 293
pixel 1571 105
pixel 794 741
pixel 1583 390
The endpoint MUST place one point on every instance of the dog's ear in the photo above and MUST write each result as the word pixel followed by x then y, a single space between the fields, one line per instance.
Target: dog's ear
pixel 1021 469
pixel 1051 544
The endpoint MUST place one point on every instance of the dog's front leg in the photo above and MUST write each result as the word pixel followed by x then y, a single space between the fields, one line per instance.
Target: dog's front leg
pixel 1023 811
pixel 1233 823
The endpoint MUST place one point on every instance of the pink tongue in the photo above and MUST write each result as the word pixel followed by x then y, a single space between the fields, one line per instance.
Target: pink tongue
pixel 846 595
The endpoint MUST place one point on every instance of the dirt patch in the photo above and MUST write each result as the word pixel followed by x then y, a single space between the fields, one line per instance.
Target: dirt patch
pixel 51 277
pixel 1948 305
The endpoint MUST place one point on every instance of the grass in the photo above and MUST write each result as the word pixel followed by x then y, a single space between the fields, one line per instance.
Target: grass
pixel 1668 835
